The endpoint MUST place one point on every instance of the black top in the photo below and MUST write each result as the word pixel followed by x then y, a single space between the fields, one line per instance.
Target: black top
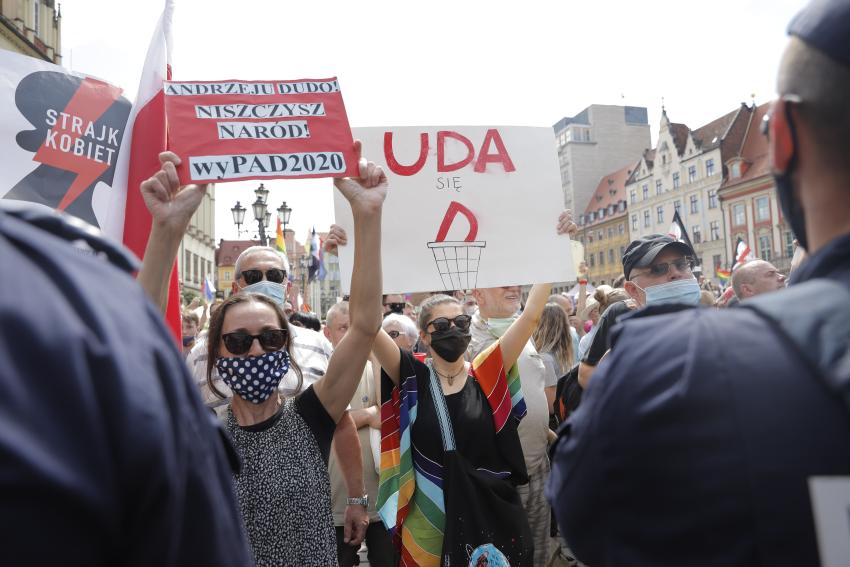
pixel 599 345
pixel 472 423
pixel 695 442
pixel 108 455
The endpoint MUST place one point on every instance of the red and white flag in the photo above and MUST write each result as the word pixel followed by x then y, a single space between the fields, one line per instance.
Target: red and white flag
pixel 148 139
pixel 742 253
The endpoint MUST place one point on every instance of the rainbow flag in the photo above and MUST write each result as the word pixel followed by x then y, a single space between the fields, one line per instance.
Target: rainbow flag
pixel 279 242
pixel 723 275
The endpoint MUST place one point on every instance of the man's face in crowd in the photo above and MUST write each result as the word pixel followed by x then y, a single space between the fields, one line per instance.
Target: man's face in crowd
pixel 262 260
pixel 499 302
pixel 642 278
pixel 402 340
pixel 391 299
pixel 336 328
pixel 764 278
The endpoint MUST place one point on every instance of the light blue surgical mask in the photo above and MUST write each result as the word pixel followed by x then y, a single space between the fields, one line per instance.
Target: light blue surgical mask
pixel 685 292
pixel 272 290
pixel 499 325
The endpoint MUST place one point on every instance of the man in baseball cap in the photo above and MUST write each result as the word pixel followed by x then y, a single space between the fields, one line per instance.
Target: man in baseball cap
pixel 722 437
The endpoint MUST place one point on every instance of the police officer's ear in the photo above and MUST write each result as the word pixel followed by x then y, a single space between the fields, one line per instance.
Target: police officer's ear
pixel 781 141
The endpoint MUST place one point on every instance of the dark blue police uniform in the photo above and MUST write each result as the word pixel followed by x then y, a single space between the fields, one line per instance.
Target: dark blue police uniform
pixel 107 455
pixel 699 432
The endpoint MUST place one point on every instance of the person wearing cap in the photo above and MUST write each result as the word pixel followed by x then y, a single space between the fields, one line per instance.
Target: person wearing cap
pixel 705 436
pixel 658 271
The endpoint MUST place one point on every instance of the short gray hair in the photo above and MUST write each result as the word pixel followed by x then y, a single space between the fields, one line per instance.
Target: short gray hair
pixel 253 250
pixel 404 321
pixel 340 308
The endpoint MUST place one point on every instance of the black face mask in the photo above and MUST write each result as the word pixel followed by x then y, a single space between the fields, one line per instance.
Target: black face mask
pixel 450 344
pixel 791 208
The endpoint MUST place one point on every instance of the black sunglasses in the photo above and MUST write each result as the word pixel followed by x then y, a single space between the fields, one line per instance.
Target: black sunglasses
pixel 441 324
pixel 395 307
pixel 240 342
pixel 394 334
pixel 661 269
pixel 275 275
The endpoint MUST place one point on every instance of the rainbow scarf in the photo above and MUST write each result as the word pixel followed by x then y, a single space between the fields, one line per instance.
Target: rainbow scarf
pixel 410 489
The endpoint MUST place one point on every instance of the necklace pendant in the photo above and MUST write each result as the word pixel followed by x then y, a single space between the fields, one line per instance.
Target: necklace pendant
pixel 451 380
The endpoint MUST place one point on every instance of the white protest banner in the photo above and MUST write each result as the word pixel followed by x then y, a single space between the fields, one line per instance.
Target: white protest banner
pixel 468 206
pixel 60 141
pixel 830 497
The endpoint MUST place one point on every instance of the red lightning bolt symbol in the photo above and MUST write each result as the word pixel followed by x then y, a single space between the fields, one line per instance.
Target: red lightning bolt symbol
pixel 89 103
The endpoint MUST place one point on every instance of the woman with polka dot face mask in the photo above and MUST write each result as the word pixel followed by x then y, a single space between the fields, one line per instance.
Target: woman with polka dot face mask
pixel 283 485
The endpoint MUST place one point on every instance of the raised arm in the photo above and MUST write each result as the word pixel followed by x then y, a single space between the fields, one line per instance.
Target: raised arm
pixel 171 207
pixel 517 335
pixel 388 355
pixel 366 196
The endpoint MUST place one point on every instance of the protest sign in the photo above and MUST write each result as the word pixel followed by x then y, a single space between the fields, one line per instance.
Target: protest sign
pixel 239 130
pixel 468 206
pixel 61 141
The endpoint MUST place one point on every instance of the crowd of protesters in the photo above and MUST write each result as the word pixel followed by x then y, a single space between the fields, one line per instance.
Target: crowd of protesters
pixel 657 421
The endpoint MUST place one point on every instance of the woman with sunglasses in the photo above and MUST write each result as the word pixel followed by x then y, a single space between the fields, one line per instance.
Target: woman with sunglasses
pixel 451 456
pixel 283 444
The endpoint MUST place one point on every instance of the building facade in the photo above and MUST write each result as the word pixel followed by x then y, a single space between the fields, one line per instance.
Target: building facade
pixel 225 260
pixel 594 142
pixel 32 27
pixel 749 203
pixel 684 173
pixel 604 229
pixel 196 257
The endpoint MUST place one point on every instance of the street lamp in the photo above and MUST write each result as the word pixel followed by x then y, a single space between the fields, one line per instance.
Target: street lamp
pixel 238 215
pixel 283 213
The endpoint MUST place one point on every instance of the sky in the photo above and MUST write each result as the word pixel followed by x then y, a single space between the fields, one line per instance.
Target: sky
pixel 442 62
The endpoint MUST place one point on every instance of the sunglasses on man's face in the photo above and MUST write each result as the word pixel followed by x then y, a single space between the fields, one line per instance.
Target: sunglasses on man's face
pixel 275 275
pixel 685 264
pixel 240 342
pixel 443 323
pixel 395 307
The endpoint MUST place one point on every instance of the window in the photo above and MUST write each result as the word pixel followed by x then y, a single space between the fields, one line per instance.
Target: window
pixel 621 229
pixel 659 187
pixel 646 218
pixel 645 191
pixel 735 170
pixel 633 197
pixel 227 277
pixel 789 244
pixel 600 235
pixel 187 266
pixel 610 231
pixel 709 167
pixel 601 214
pixel 738 217
pixel 209 267
pixel 764 247
pixel 621 206
pixel 634 222
pixel 697 234
pixel 676 180
pixel 762 209
pixel 601 258
pixel 678 206
pixel 714 228
pixel 694 204
pixel 36 17
pixel 660 212
pixel 590 237
pixel 715 260
pixel 692 173
pixel 592 260
pixel 611 256
pixel 195 271
pixel 712 199
pixel 622 251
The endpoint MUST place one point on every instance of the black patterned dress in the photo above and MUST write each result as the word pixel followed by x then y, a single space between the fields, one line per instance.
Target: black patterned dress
pixel 283 486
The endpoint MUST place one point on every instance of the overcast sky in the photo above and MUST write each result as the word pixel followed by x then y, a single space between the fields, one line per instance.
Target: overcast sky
pixel 455 62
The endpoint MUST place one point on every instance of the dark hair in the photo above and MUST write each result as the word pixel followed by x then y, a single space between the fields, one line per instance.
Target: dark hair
pixel 426 308
pixel 217 322
pixel 308 320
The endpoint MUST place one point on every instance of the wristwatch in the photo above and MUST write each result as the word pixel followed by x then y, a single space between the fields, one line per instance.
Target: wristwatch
pixel 362 501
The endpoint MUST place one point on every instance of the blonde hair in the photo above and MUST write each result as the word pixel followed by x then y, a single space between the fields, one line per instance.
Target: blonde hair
pixel 553 335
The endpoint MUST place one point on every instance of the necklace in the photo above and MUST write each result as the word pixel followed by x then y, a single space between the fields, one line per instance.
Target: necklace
pixel 451 379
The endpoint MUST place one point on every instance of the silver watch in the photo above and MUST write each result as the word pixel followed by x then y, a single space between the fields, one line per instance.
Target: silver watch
pixel 362 501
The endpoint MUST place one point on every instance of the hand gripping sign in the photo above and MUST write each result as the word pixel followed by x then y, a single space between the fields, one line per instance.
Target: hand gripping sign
pixel 239 130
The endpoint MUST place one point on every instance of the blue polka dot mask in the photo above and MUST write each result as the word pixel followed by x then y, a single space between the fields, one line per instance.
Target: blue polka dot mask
pixel 254 378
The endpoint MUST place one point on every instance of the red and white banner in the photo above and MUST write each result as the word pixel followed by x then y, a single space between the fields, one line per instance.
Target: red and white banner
pixel 239 130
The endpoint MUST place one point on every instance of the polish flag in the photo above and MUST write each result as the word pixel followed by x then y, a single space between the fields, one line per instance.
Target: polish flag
pixel 148 139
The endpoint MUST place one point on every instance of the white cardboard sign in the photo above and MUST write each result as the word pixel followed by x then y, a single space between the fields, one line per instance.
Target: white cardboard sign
pixel 468 206
pixel 831 508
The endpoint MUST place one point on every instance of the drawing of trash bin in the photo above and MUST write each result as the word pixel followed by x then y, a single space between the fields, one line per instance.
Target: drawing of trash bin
pixel 458 260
